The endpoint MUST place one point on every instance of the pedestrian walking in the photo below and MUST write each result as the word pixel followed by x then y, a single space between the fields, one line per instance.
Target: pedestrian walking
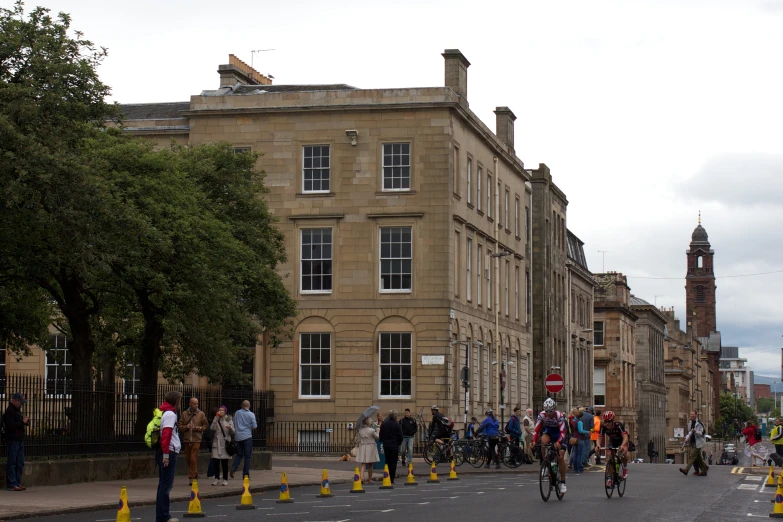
pixel 491 429
pixel 166 455
pixel 409 429
pixel 694 441
pixel 244 424
pixel 208 439
pixel 527 425
pixel 367 454
pixel 223 427
pixel 15 423
pixel 391 437
pixel 192 425
pixel 753 434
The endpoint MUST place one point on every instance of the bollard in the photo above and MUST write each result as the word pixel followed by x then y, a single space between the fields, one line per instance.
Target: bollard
pixel 285 493
pixel 357 482
pixel 386 484
pixel 246 502
pixel 411 481
pixel 453 472
pixel 123 511
pixel 194 508
pixel 433 475
pixel 326 490
pixel 777 511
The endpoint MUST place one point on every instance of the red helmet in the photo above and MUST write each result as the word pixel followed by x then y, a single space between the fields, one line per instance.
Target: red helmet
pixel 608 416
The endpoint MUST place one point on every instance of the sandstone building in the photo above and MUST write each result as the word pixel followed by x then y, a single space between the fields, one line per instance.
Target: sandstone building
pixel 581 288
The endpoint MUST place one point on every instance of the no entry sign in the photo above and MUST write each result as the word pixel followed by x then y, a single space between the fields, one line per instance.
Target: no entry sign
pixel 554 383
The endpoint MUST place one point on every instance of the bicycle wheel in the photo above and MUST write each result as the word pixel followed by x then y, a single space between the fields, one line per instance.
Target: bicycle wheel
pixel 515 457
pixel 555 479
pixel 459 454
pixel 475 455
pixel 429 453
pixel 543 481
pixel 620 486
pixel 609 481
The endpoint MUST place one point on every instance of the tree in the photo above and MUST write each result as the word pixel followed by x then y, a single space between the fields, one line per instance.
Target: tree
pixel 765 404
pixel 732 408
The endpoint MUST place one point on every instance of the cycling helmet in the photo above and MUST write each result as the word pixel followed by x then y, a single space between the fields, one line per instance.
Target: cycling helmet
pixel 489 412
pixel 549 405
pixel 434 407
pixel 608 416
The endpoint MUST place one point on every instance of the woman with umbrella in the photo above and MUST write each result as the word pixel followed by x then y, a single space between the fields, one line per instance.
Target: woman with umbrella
pixel 367 453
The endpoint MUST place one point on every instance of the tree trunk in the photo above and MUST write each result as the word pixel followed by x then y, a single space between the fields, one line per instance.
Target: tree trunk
pixel 150 363
pixel 105 389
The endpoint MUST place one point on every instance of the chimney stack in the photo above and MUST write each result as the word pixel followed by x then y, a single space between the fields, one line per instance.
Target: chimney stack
pixel 237 71
pixel 504 126
pixel 457 73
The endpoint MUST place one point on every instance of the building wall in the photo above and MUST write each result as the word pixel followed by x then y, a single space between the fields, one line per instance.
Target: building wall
pixel 579 378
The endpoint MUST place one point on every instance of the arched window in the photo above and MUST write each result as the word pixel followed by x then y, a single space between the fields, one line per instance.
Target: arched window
pixel 700 262
pixel 699 293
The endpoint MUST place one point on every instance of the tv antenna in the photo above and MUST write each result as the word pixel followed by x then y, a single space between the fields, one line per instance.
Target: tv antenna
pixel 253 54
pixel 603 260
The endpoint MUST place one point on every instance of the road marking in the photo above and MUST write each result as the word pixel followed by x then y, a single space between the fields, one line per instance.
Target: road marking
pixel 422 503
pixel 760 516
pixel 373 511
pixel 335 505
pixel 287 514
pixel 747 486
pixel 753 478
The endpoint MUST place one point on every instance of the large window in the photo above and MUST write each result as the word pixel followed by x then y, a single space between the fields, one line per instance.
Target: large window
pixel 468 267
pixel 505 295
pixel 315 360
pixel 395 352
pixel 131 380
pixel 489 278
pixel 479 275
pixel 315 168
pixel 396 259
pixel 478 188
pixel 316 263
pixel 599 387
pixel 469 174
pixel 58 366
pixel 396 166
pixel 489 195
pixel 505 210
pixel 516 217
pixel 516 293
pixel 598 333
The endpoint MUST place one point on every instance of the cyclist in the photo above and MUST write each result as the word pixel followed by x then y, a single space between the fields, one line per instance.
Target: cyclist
pixel 551 428
pixel 491 428
pixel 440 429
pixel 618 438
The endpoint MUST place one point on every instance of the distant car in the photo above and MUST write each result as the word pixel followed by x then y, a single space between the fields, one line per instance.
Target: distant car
pixel 669 461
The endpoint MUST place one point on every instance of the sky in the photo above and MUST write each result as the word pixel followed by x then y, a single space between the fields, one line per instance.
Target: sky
pixel 647 112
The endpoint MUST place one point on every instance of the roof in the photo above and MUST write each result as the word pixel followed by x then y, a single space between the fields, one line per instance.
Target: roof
pixel 241 89
pixel 153 111
pixel 635 301
pixel 699 235
pixel 576 251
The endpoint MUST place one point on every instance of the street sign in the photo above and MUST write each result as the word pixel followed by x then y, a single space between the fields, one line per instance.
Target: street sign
pixel 554 383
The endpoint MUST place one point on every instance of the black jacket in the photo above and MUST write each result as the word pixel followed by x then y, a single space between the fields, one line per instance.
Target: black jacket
pixel 408 426
pixel 14 427
pixel 391 433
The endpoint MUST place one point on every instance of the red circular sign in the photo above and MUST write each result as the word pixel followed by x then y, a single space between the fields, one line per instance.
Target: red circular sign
pixel 554 383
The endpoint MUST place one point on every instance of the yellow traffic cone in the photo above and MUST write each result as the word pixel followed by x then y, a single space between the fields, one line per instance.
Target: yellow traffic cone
pixel 247 499
pixel 777 511
pixel 326 490
pixel 357 482
pixel 453 472
pixel 411 478
pixel 123 511
pixel 386 479
pixel 285 493
pixel 771 478
pixel 433 475
pixel 194 508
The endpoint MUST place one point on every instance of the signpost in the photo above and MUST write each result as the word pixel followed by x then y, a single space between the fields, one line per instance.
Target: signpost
pixel 554 383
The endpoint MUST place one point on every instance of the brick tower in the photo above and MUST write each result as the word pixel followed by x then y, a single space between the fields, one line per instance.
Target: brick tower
pixel 700 283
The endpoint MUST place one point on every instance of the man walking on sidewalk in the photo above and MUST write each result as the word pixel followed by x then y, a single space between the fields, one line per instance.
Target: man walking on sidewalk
pixel 166 455
pixel 408 431
pixel 694 441
pixel 192 424
pixel 244 424
pixel 527 428
pixel 14 429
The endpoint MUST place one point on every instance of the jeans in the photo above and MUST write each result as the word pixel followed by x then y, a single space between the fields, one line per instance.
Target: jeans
pixel 165 484
pixel 13 468
pixel 576 453
pixel 585 451
pixel 244 450
pixel 406 450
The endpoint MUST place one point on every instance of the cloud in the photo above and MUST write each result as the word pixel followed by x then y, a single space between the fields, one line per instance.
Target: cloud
pixel 774 6
pixel 737 179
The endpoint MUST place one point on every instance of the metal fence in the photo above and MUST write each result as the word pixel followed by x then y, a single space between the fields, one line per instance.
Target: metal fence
pixel 70 419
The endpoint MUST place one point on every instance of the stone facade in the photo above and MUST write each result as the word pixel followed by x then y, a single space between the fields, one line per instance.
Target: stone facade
pixel 581 286
pixel 408 175
pixel 551 339
pixel 650 381
pixel 615 350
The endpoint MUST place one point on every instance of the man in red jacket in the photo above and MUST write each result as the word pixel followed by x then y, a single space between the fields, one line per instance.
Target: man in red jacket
pixel 166 456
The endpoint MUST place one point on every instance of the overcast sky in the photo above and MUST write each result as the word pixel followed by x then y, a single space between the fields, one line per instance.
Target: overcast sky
pixel 646 111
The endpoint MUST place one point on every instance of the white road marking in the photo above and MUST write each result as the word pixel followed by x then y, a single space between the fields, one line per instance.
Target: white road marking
pixel 760 516
pixel 336 505
pixel 286 514
pixel 750 477
pixel 422 503
pixel 747 486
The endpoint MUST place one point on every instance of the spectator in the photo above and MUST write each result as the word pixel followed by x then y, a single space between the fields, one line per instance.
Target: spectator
pixel 368 451
pixel 224 431
pixel 573 437
pixel 209 438
pixel 527 425
pixel 409 428
pixel 589 423
pixel 514 427
pixel 594 436
pixel 15 424
pixel 192 424
pixel 439 429
pixel 470 431
pixel 491 429
pixel 694 441
pixel 244 424
pixel 750 433
pixel 583 438
pixel 391 437
pixel 166 455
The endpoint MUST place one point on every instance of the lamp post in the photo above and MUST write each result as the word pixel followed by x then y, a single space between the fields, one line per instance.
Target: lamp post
pixel 498 337
pixel 465 373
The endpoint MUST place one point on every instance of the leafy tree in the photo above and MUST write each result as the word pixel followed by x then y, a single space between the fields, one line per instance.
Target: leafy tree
pixel 765 404
pixel 732 408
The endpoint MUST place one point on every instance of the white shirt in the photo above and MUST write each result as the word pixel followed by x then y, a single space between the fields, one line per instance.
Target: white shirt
pixel 169 420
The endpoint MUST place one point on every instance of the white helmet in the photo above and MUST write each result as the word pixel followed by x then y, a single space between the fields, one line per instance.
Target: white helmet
pixel 549 405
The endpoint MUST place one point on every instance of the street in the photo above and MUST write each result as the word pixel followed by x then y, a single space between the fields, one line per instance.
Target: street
pixel 656 492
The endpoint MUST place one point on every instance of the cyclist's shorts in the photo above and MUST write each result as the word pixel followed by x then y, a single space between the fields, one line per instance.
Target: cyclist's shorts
pixel 554 434
pixel 615 443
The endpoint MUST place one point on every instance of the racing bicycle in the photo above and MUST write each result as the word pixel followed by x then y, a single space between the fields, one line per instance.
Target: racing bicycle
pixel 549 475
pixel 613 478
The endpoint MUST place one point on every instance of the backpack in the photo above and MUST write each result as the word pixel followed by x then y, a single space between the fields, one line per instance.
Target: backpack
pixel 152 437
pixel 448 423
pixel 757 433
pixel 508 426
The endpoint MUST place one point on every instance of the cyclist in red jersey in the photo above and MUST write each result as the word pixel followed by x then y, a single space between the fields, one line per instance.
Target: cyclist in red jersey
pixel 618 438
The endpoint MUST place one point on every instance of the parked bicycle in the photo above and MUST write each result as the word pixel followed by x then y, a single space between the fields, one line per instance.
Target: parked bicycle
pixel 511 454
pixel 549 475
pixel 613 478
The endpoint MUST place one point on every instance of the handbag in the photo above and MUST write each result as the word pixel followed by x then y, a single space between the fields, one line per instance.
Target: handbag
pixel 231 446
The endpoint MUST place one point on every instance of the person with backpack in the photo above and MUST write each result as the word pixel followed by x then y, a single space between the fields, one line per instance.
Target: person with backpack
pixel 167 449
pixel 14 424
pixel 695 441
pixel 514 427
pixel 753 433
pixel 490 428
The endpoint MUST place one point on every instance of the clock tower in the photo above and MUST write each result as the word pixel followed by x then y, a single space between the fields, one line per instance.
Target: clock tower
pixel 700 283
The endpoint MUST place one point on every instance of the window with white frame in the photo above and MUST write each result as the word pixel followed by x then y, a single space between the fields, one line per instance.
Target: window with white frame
pixel 599 387
pixel 516 292
pixel 395 355
pixel 315 168
pixel 528 296
pixel 316 260
pixel 489 278
pixel 315 363
pixel 396 166
pixel 478 188
pixel 58 366
pixel 468 259
pixel 505 296
pixel 489 195
pixel 131 380
pixel 396 259
pixel 479 275
pixel 598 333
pixel 469 175
pixel 505 210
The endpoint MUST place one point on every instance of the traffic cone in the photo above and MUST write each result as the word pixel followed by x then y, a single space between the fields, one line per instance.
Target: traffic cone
pixel 433 475
pixel 123 511
pixel 386 484
pixel 326 490
pixel 771 478
pixel 285 493
pixel 411 478
pixel 777 511
pixel 194 508
pixel 453 472
pixel 357 482
pixel 247 499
